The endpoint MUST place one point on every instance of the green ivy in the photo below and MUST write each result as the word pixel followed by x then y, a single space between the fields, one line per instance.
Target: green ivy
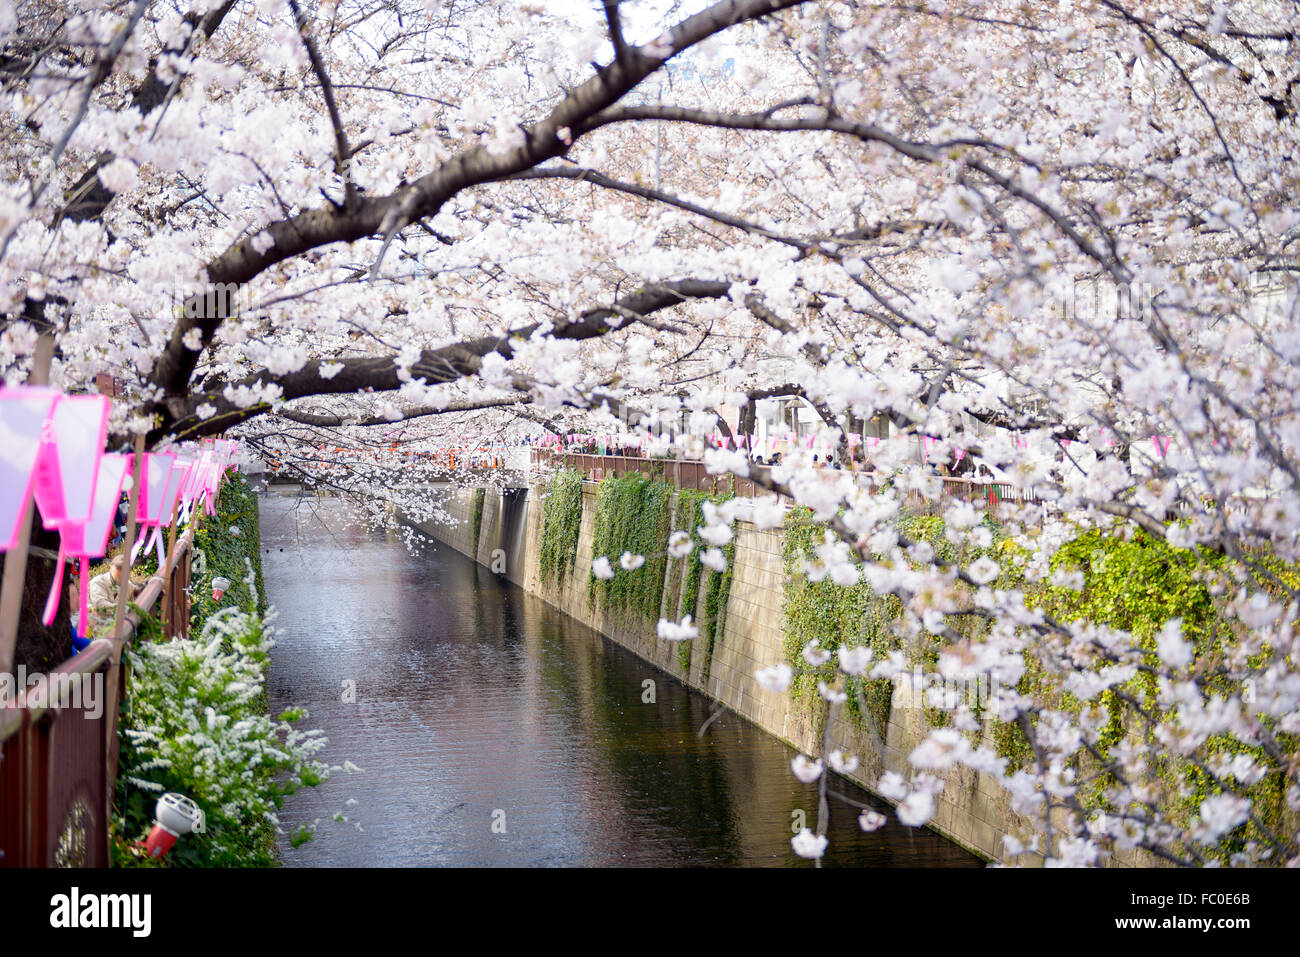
pixel 834 617
pixel 1137 583
pixel 632 515
pixel 715 606
pixel 561 524
pixel 1009 742
pixel 849 617
pixel 220 552
pixel 689 517
pixel 716 585
pixel 479 495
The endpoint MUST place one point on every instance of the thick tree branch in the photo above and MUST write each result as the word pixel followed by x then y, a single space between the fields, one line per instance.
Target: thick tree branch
pixel 444 364
pixel 386 216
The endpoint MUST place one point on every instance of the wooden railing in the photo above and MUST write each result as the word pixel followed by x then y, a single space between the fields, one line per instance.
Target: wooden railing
pixel 681 473
pixel 691 474
pixel 58 752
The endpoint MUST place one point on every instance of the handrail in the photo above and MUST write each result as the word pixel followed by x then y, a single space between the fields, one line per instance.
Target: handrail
pixel 98 653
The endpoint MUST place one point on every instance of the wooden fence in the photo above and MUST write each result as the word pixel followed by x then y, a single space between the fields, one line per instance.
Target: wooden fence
pixel 689 474
pixel 59 748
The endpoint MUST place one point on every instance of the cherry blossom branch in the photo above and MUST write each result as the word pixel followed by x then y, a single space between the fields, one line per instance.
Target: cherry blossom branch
pixel 342 154
pixel 582 174
pixel 385 216
pixel 444 364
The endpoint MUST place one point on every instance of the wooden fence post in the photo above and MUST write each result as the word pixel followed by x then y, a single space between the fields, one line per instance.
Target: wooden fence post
pixel 114 677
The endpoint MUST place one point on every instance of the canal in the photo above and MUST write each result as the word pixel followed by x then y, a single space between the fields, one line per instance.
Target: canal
pixel 491 729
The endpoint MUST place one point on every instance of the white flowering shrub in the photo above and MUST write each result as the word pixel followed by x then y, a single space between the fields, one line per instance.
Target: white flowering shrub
pixel 195 723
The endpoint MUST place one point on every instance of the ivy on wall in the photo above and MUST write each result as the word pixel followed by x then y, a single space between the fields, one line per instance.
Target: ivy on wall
pixel 1138 583
pixel 222 543
pixel 836 617
pixel 635 513
pixel 717 592
pixel 561 525
pixel 700 580
pixel 479 495
pixel 690 516
pixel 632 515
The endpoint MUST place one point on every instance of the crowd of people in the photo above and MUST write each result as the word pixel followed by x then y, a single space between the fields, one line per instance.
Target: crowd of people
pixel 856 459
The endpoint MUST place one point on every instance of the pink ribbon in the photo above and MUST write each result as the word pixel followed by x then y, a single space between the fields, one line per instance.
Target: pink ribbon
pixel 56 589
pixel 83 617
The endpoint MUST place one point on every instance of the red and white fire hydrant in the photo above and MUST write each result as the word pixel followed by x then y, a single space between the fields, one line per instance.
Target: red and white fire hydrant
pixel 175 816
pixel 219 586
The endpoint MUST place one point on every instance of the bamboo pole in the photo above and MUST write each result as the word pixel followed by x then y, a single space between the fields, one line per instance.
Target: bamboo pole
pixel 168 616
pixel 129 542
pixel 113 679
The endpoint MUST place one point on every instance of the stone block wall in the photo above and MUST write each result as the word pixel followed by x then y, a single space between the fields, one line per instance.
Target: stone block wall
pixel 973 809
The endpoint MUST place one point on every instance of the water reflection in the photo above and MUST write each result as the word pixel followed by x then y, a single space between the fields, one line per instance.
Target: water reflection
pixel 477 704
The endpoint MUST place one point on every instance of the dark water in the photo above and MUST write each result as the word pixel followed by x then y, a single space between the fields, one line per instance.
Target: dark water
pixel 478 703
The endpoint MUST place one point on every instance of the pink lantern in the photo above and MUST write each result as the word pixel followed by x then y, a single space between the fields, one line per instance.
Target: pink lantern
pixel 194 487
pixel 213 482
pixel 187 462
pixel 166 506
pixel 180 473
pixel 23 414
pixel 89 539
pixel 154 475
pixel 67 467
pixel 69 458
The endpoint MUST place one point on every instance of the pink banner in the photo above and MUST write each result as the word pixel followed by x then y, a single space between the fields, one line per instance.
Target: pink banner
pixel 72 445
pixel 23 414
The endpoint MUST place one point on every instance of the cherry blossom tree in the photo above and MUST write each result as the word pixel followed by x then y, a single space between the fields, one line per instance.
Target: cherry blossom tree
pixel 1058 238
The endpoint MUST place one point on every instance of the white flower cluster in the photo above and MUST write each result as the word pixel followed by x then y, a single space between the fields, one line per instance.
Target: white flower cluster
pixel 678 631
pixel 196 725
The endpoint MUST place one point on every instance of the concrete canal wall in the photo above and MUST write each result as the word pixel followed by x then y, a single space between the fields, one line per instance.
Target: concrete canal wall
pixel 504 532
